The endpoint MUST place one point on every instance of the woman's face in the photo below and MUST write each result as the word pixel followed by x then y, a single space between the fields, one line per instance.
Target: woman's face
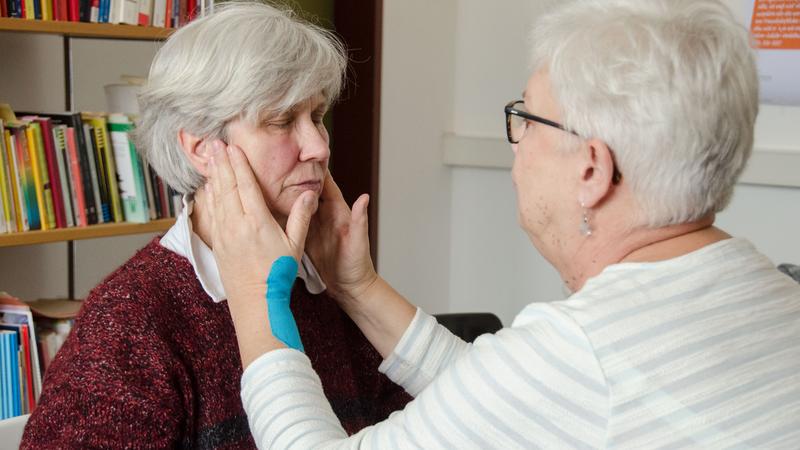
pixel 288 153
pixel 544 177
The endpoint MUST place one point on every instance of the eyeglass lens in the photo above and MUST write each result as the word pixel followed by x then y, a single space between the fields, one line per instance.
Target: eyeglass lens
pixel 517 124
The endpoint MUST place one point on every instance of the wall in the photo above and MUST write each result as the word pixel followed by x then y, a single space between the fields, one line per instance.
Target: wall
pixel 416 105
pixel 491 265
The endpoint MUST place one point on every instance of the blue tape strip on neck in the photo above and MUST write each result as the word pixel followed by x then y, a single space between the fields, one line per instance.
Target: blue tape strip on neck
pixel 279 293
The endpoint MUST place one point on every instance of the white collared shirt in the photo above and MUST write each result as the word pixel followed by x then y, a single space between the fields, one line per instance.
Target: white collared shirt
pixel 182 240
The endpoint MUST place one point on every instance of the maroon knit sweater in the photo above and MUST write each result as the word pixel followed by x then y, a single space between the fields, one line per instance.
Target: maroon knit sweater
pixel 153 362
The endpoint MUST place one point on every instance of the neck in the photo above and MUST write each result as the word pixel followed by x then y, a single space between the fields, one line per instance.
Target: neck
pixel 619 244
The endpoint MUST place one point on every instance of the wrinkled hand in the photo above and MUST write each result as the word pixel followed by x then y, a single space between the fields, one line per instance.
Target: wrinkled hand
pixel 338 244
pixel 246 239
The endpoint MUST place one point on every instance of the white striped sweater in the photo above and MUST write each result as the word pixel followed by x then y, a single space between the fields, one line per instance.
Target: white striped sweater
pixel 698 351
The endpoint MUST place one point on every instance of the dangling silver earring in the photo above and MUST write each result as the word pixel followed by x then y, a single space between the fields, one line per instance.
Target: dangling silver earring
pixel 586 229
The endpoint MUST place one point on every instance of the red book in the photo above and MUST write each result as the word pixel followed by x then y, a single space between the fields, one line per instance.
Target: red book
pixel 52 169
pixel 168 16
pixel 56 10
pixel 3 9
pixel 77 179
pixel 74 10
pixel 26 349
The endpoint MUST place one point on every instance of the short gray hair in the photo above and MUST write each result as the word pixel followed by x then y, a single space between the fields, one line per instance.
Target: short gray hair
pixel 244 61
pixel 671 87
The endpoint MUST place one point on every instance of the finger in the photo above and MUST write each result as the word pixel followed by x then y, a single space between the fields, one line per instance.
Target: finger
pixel 209 199
pixel 223 181
pixel 250 195
pixel 299 220
pixel 359 215
pixel 332 198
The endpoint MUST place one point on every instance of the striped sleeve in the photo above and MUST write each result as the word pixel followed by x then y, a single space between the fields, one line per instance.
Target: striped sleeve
pixel 425 349
pixel 535 385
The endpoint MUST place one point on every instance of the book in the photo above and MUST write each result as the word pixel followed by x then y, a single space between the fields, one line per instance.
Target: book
pixel 10 368
pixel 52 174
pixel 78 194
pixel 148 186
pixel 99 192
pixel 60 147
pixel 105 155
pixel 21 214
pixel 127 12
pixel 47 9
pixel 159 13
pixel 8 222
pixel 131 179
pixel 15 311
pixel 85 155
pixel 19 141
pixel 41 181
pixel 145 12
pixel 74 7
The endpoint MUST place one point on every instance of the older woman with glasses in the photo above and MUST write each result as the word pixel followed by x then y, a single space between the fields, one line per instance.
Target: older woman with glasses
pixel 634 126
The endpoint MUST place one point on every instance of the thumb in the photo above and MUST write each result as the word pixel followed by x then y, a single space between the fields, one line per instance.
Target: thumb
pixel 299 220
pixel 358 216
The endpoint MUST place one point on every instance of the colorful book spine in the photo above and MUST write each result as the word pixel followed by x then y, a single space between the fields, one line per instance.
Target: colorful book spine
pixel 95 176
pixel 60 146
pixel 9 222
pixel 28 182
pixel 16 186
pixel 131 179
pixel 106 154
pixel 44 194
pixel 79 196
pixel 48 149
pixel 5 375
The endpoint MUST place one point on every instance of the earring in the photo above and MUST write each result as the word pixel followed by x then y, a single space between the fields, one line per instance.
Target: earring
pixel 586 230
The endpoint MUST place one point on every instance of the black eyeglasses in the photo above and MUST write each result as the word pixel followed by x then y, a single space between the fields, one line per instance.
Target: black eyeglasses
pixel 516 125
pixel 516 122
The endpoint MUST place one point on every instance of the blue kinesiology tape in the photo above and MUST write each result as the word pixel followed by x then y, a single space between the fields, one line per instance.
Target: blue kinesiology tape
pixel 279 290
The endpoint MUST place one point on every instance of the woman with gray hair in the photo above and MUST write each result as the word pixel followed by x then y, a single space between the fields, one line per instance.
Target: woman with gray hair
pixel 153 361
pixel 634 126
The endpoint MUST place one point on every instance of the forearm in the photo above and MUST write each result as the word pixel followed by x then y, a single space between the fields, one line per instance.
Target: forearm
pixel 382 314
pixel 253 331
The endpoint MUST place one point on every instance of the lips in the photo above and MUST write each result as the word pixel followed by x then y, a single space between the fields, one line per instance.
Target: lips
pixel 308 185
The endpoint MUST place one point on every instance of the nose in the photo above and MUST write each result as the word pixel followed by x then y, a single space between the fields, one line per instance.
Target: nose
pixel 314 142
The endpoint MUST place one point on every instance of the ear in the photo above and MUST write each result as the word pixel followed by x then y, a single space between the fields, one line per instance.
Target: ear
pixel 597 171
pixel 197 151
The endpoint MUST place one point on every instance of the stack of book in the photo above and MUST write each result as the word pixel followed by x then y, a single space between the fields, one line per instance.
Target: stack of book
pixel 75 169
pixel 28 348
pixel 157 13
pixel 20 375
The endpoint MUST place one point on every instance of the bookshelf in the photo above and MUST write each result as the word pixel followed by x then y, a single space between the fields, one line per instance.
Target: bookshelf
pixel 68 31
pixel 78 233
pixel 84 29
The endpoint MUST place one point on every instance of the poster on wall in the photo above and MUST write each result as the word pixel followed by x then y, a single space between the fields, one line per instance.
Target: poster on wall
pixel 775 26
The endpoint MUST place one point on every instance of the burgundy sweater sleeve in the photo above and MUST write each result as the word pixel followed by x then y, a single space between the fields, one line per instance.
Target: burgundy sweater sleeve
pixel 111 384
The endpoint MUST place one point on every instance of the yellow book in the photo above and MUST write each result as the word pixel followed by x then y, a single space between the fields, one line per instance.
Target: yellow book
pixel 47 188
pixel 106 152
pixel 47 9
pixel 15 187
pixel 30 12
pixel 8 219
pixel 37 175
